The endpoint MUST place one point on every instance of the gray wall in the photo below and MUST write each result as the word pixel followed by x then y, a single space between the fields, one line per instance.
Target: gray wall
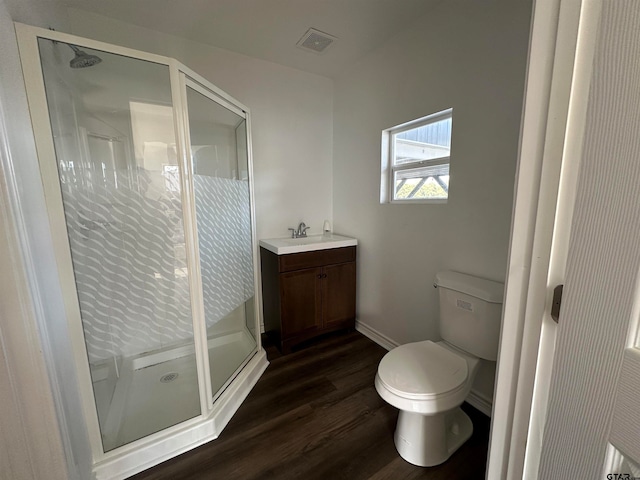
pixel 470 56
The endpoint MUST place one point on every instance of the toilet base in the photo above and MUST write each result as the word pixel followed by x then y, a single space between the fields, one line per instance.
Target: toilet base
pixel 429 440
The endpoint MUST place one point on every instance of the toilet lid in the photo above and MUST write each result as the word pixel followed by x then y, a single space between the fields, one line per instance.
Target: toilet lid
pixel 422 369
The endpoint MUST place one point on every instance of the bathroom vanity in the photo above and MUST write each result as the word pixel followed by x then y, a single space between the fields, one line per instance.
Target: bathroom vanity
pixel 308 287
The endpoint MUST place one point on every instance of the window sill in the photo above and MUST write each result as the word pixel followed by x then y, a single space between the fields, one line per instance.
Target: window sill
pixel 418 200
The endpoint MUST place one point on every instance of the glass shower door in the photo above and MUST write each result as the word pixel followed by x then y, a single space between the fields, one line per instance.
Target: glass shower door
pixel 113 125
pixel 220 165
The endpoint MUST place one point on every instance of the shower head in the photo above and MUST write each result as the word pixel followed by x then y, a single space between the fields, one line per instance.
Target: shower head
pixel 83 59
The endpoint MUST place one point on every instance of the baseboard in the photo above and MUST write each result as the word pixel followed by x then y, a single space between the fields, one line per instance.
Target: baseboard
pixel 475 399
pixel 479 401
pixel 374 335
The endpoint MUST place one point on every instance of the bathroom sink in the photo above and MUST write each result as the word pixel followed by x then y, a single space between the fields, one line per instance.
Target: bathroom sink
pixel 283 246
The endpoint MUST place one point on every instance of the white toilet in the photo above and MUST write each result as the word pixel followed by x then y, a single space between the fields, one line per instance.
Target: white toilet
pixel 428 381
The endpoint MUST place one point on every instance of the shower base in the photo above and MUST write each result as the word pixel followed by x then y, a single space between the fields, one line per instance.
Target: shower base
pixel 157 390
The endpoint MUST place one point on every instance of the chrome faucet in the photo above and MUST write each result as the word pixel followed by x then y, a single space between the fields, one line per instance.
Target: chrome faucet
pixel 300 232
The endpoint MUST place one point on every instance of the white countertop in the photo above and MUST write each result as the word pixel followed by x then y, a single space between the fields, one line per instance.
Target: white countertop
pixel 283 246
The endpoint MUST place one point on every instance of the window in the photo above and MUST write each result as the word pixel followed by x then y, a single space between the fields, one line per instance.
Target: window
pixel 171 177
pixel 415 160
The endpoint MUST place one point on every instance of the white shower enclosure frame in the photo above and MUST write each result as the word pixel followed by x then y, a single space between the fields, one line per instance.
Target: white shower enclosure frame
pixel 215 413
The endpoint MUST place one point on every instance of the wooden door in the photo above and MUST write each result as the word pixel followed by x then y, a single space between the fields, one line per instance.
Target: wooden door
pixel 338 293
pixel 300 291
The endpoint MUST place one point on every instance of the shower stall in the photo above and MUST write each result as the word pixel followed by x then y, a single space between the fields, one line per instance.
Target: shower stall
pixel 147 176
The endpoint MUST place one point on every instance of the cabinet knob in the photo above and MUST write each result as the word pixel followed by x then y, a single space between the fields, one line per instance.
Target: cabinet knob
pixel 324 275
pixel 319 276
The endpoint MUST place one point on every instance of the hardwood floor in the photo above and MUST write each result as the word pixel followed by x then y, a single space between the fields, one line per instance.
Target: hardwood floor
pixel 315 414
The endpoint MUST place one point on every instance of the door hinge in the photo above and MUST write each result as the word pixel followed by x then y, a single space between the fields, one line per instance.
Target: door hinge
pixel 557 303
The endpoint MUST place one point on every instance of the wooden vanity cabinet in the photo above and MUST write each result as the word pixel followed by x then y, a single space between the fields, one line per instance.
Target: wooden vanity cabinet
pixel 308 294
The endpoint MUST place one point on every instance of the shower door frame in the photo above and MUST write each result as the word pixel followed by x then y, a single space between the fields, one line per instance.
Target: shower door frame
pixel 189 78
pixel 154 448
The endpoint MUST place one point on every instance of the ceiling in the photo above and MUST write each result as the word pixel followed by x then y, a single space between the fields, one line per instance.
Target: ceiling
pixel 269 29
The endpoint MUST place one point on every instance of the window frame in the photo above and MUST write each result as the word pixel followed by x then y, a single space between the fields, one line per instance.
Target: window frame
pixel 389 169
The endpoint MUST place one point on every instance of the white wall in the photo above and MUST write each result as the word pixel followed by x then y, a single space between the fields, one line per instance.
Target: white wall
pixel 292 122
pixel 317 153
pixel 291 119
pixel 470 56
pixel 30 438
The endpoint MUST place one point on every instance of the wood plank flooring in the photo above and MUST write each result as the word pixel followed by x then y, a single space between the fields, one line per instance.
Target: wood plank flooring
pixel 315 414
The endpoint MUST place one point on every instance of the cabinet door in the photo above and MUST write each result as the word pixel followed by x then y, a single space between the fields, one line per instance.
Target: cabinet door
pixel 339 293
pixel 301 301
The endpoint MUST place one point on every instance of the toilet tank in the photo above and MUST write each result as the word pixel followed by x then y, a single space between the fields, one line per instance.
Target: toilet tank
pixel 470 313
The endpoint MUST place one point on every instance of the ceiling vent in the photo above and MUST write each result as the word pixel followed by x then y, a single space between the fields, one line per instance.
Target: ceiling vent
pixel 316 41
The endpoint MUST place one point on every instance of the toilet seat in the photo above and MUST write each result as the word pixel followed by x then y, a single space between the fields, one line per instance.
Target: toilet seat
pixel 422 371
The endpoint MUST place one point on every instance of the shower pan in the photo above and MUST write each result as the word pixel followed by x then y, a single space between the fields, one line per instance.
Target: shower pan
pixel 147 176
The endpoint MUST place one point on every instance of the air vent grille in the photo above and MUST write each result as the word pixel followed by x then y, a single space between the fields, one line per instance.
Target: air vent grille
pixel 316 41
